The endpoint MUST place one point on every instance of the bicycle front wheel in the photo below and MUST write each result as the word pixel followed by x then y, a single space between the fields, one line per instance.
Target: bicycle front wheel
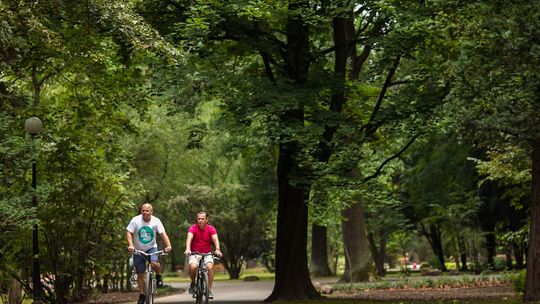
pixel 149 288
pixel 199 290
pixel 205 290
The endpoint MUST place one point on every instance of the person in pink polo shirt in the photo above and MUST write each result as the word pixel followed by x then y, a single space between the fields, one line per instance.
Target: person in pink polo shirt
pixel 200 238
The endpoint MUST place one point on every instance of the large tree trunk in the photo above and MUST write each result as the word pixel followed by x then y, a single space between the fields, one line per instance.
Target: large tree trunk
pixel 319 252
pixel 532 285
pixel 319 256
pixel 292 276
pixel 357 254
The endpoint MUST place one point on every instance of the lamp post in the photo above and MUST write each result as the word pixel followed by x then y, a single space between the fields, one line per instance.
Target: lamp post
pixel 33 126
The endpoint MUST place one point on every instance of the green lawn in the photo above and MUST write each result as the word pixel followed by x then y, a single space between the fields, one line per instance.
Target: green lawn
pixel 259 272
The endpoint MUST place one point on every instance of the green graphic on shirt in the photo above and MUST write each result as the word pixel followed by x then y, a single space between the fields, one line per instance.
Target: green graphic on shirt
pixel 146 235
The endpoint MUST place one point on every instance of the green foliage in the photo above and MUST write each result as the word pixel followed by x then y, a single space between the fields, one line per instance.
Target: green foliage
pixel 15 153
pixel 495 74
pixel 62 63
pixel 96 72
pixel 510 167
pixel 427 282
pixel 518 281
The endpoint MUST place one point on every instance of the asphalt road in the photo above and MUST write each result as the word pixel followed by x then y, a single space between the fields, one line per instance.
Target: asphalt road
pixel 225 292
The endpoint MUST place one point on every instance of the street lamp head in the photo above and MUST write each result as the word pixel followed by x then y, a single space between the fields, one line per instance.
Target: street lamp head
pixel 33 125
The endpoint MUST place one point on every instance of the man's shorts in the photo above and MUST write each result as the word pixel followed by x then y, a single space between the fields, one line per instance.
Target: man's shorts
pixel 140 261
pixel 195 258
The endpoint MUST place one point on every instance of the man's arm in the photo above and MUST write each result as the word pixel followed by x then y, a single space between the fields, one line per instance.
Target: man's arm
pixel 217 249
pixel 129 239
pixel 189 238
pixel 166 241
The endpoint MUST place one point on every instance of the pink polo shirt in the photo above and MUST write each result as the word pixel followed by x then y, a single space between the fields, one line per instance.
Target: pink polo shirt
pixel 202 239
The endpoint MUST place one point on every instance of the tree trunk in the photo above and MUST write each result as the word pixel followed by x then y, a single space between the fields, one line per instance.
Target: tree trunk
pixel 379 253
pixel 532 285
pixel 319 252
pixel 463 253
pixel 319 256
pixel 518 255
pixel 357 254
pixel 174 261
pixel 292 280
pixel 457 253
pixel 233 264
pixel 490 248
pixel 15 292
pixel 508 255
pixel 434 237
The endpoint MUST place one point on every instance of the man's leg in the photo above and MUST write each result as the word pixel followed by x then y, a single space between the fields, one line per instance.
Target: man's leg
pixel 192 274
pixel 157 269
pixel 140 282
pixel 210 267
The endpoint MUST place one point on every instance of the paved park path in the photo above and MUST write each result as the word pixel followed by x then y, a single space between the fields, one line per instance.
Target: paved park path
pixel 224 292
pixel 227 292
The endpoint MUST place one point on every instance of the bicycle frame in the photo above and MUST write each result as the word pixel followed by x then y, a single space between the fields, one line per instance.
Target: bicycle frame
pixel 149 283
pixel 201 294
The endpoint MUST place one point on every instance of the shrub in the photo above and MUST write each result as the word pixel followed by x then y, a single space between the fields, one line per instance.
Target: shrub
pixel 518 281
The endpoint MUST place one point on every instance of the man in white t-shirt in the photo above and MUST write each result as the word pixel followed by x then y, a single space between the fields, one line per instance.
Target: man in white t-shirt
pixel 141 234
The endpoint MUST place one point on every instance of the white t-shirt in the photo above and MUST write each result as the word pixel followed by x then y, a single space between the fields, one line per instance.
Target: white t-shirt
pixel 145 233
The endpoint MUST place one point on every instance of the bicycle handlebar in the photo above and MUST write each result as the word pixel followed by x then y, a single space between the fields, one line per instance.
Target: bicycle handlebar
pixel 140 252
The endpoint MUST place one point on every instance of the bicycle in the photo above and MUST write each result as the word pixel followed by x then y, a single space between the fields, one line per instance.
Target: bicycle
pixel 149 282
pixel 202 293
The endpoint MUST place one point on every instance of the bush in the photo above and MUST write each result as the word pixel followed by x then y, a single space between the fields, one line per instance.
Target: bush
pixel 518 281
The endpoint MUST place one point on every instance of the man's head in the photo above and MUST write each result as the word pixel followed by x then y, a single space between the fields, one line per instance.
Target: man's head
pixel 202 219
pixel 147 210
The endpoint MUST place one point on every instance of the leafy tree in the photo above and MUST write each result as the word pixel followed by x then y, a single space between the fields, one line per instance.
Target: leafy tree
pixel 267 63
pixel 440 187
pixel 497 79
pixel 507 174
pixel 66 63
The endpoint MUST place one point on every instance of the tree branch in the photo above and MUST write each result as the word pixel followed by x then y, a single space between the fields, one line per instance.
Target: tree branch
pixel 379 169
pixel 370 126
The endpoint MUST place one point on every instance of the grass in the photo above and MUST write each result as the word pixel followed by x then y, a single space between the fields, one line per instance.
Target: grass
pixel 259 272
pixel 25 301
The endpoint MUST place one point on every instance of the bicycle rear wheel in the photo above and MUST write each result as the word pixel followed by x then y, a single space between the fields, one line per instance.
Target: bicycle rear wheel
pixel 149 288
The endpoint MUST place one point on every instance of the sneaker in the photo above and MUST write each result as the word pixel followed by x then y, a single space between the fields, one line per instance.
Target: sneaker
pixel 141 299
pixel 210 295
pixel 159 281
pixel 191 289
